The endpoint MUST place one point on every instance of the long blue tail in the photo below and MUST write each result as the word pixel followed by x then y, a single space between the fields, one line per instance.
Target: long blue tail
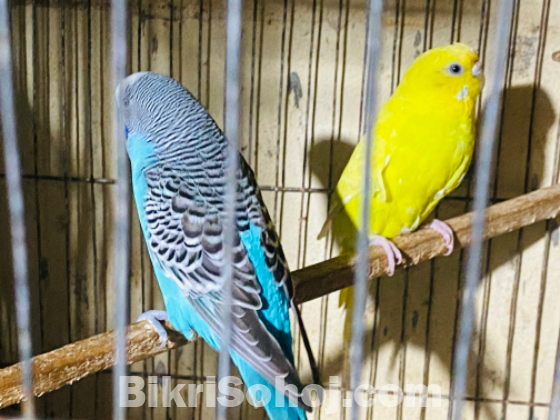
pixel 251 377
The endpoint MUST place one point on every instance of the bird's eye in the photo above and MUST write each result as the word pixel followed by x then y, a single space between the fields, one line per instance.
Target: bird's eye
pixel 455 69
pixel 126 102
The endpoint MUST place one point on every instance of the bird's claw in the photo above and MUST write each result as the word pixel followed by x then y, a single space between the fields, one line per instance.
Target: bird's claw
pixel 445 231
pixel 394 255
pixel 155 317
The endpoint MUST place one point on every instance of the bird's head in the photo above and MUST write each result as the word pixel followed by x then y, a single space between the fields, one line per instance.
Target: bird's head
pixel 451 72
pixel 150 103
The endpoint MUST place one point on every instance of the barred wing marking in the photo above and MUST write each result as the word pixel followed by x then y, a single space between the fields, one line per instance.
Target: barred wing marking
pixel 186 238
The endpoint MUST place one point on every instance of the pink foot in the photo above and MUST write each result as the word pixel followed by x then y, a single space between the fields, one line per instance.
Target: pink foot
pixel 393 253
pixel 445 231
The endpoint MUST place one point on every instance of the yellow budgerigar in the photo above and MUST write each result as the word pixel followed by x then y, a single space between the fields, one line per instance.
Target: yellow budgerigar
pixel 423 143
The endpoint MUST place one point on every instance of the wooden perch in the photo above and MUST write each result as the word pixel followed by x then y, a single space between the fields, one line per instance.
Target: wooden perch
pixel 75 361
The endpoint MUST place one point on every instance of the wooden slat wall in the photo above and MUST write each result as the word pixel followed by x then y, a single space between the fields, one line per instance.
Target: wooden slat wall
pixel 302 71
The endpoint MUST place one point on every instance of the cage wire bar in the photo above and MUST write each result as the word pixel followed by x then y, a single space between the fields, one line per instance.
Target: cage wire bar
pixel 489 130
pixel 373 43
pixel 554 409
pixel 231 128
pixel 12 164
pixel 121 199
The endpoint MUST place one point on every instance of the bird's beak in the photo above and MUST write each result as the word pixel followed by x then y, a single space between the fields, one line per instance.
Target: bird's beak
pixel 476 71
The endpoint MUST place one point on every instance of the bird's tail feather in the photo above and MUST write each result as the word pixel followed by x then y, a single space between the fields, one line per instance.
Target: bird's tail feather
pixel 286 410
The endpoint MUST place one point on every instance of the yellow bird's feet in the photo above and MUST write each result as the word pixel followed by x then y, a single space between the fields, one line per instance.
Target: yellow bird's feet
pixel 445 231
pixel 394 255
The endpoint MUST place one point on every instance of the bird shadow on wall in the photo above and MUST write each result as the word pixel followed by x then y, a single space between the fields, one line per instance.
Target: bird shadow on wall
pixel 412 316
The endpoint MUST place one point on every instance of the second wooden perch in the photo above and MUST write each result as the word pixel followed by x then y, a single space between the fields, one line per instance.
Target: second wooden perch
pixel 75 361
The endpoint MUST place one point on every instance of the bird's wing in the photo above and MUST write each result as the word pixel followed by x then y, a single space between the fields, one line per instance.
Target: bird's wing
pixel 185 236
pixel 453 182
pixel 253 215
pixel 350 183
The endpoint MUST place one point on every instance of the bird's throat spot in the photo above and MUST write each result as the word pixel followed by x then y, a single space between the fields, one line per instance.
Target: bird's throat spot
pixel 463 93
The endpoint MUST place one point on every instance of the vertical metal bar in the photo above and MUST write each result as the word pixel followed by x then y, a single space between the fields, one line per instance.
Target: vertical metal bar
pixel 121 201
pixel 277 218
pixel 17 218
pixel 233 39
pixel 373 45
pixel 490 122
pixel 554 409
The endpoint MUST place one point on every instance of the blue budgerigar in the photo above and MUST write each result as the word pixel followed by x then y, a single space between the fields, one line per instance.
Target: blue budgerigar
pixel 177 155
